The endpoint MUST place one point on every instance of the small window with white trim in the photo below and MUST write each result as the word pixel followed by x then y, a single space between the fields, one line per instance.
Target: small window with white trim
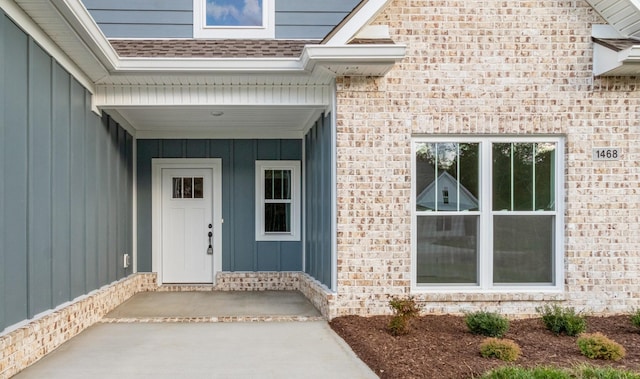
pixel 251 19
pixel 485 213
pixel 277 200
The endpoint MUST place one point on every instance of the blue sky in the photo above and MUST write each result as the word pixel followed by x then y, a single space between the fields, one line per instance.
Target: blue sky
pixel 234 12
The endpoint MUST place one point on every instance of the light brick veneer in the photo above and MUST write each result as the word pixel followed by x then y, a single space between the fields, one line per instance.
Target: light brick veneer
pixel 488 67
pixel 27 344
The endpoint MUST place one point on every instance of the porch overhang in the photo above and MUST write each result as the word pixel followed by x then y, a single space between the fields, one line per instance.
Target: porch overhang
pixel 614 54
pixel 151 96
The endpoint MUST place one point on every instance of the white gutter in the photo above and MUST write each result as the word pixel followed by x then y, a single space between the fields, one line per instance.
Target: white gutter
pixel 311 56
pixel 145 64
pixel 356 57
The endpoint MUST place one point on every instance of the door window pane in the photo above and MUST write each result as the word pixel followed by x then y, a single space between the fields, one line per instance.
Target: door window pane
pixel 198 188
pixel 177 188
pixel 187 188
pixel 447 250
pixel 523 249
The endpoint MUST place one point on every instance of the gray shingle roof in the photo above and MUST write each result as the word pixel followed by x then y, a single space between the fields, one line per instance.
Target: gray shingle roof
pixel 197 48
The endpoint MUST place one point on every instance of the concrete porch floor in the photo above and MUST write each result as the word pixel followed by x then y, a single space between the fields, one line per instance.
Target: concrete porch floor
pixel 218 305
pixel 276 334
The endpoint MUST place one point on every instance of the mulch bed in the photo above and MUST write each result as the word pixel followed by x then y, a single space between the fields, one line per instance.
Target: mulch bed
pixel 442 346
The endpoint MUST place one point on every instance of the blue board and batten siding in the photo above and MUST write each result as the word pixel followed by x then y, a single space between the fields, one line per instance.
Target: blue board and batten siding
pixel 240 250
pixel 65 184
pixel 294 19
pixel 319 163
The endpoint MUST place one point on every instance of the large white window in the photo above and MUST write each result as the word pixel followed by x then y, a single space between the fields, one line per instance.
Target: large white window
pixel 487 213
pixel 234 19
pixel 277 200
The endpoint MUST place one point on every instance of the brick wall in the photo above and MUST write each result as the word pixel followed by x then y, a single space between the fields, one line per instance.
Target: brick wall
pixel 489 67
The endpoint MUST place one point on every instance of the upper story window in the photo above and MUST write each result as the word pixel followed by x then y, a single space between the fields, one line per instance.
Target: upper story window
pixel 485 213
pixel 234 19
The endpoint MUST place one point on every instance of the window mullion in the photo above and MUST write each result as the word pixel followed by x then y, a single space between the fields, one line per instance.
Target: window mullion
pixel 458 177
pixel 486 217
pixel 512 184
pixel 533 179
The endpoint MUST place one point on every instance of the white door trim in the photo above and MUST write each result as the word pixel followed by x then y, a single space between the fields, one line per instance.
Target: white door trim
pixel 157 165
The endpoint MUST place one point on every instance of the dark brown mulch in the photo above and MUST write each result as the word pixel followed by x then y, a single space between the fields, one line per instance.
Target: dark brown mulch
pixel 442 346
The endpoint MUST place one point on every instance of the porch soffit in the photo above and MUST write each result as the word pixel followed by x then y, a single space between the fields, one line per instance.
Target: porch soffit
pixel 622 15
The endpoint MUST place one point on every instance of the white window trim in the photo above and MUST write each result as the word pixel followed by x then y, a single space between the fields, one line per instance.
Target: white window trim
pixel 261 167
pixel 266 31
pixel 485 244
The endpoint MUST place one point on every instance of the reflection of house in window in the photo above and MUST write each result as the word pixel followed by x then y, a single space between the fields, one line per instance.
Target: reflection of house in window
pixel 451 196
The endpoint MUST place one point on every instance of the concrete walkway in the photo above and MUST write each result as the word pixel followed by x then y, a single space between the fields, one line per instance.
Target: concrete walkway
pixel 153 349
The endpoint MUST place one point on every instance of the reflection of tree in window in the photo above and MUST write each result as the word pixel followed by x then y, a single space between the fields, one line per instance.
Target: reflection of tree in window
pixel 523 176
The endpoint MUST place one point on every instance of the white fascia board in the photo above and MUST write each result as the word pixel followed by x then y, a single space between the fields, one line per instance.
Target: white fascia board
pixel 359 20
pixel 209 65
pixel 314 54
pixel 607 62
pixel 30 27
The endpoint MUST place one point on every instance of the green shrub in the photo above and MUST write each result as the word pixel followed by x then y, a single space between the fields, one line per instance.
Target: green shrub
pixel 487 324
pixel 562 320
pixel 404 310
pixel 599 346
pixel 590 372
pixel 505 350
pixel 543 372
pixel 635 319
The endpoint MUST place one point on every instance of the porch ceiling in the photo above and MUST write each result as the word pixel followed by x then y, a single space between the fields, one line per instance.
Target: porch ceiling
pixel 231 121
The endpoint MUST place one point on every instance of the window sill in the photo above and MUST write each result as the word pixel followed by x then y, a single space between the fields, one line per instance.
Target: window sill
pixel 477 295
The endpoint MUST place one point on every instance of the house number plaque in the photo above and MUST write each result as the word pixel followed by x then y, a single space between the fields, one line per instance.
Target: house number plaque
pixel 607 154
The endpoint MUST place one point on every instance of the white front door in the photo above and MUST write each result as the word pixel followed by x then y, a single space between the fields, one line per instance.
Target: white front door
pixel 187 200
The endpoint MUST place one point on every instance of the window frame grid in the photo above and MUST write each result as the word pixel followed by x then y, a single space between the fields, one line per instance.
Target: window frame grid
pixel 261 167
pixel 486 215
